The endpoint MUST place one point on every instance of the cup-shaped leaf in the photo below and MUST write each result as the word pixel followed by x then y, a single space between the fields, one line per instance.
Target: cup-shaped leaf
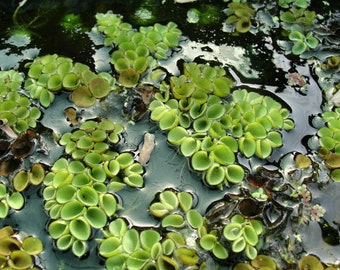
pixel 173 220
pixel 243 25
pixel 148 238
pixel 8 245
pixel 128 77
pixel 169 199
pixel 6 231
pixel 215 111
pixel 250 235
pixel 110 247
pixel 217 130
pixel 164 262
pixel 263 149
pixel 157 209
pixel 65 193
pixel 251 253
pixel 137 259
pixel 263 261
pixel 168 246
pixel 186 256
pixel 185 200
pixel 20 180
pixel 275 139
pixel 194 218
pixel 189 146
pixel 32 245
pixel 37 174
pixel 215 175
pixel 184 90
pixel 79 248
pixel 202 124
pixel 71 210
pixel 232 231
pixel 93 159
pixel 220 251
pixel 223 154
pixel 169 120
pixel 234 173
pixel 197 110
pixel 80 228
pixel 130 241
pixel 71 81
pixel 16 200
pixel 256 130
pixel 247 146
pixel 108 203
pixel 118 227
pixel 88 196
pixel 83 97
pixel 98 173
pixel 237 130
pixel 85 143
pixel 222 86
pixel 54 83
pixel 49 193
pixel 134 180
pixel 111 167
pixel 208 241
pixel 276 118
pixel 46 98
pixel 310 262
pixel 80 180
pixel 96 217
pixel 99 87
pixel 125 160
pixel 177 135
pixel 201 161
pixel 238 245
pixel 19 259
pixel 64 68
pixel 65 242
pixel 58 228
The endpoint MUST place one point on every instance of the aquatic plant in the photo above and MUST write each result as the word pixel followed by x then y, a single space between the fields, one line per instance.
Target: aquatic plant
pixel 52 73
pixel 23 178
pixel 9 200
pixel 15 107
pixel 72 22
pixel 16 251
pixel 240 14
pixel 137 50
pixel 291 3
pixel 260 262
pixel 302 42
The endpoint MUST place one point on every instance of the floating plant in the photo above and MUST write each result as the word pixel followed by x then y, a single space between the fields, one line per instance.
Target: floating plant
pixel 49 74
pixel 15 107
pixel 240 14
pixel 17 252
pixel 23 178
pixel 9 200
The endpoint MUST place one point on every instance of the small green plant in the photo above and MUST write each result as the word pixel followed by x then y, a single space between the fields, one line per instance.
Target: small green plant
pixel 241 15
pixel 9 200
pixel 302 43
pixel 18 252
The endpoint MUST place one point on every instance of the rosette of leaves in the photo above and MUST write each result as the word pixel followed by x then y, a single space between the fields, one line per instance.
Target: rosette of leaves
pixel 124 247
pixel 23 178
pixel 240 14
pixel 17 252
pixel 297 3
pixel 15 107
pixel 302 43
pixel 77 201
pixel 297 19
pixel 9 200
pixel 52 73
pixel 256 120
pixel 244 235
pixel 329 134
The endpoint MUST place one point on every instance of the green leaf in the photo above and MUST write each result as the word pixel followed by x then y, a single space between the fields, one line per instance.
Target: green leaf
pixel 250 235
pixel 232 231
pixel 130 241
pixel 110 247
pixel 173 220
pixel 137 259
pixel 194 218
pixel 299 47
pixel 238 245
pixel 80 228
pixel 208 241
pixel 148 238
pixel 169 199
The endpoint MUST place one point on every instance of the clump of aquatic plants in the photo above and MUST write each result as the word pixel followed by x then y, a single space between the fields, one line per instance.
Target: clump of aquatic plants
pixel 240 15
pixel 17 252
pixel 15 108
pixel 128 247
pixel 210 129
pixel 9 200
pixel 302 43
pixel 52 73
pixel 79 192
pixel 260 262
pixel 297 3
pixel 23 178
pixel 137 51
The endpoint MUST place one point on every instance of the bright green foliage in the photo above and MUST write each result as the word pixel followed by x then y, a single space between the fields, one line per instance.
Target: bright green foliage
pixel 9 200
pixel 260 262
pixel 240 14
pixel 15 107
pixel 24 178
pixel 329 135
pixel 209 131
pixel 52 73
pixel 244 235
pixel 297 18
pixel 137 50
pixel 18 251
pixel 79 192
pixel 297 3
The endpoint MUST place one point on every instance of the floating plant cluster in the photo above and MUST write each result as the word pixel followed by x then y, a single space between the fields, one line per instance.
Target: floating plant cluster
pixel 136 51
pixel 9 200
pixel 15 107
pixel 52 73
pixel 210 125
pixel 18 252
pixel 79 192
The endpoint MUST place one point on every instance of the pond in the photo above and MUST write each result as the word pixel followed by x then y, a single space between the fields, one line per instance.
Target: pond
pixel 170 134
